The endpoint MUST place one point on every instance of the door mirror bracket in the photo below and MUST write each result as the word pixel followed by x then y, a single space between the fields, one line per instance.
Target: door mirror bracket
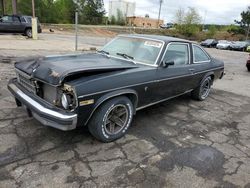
pixel 166 64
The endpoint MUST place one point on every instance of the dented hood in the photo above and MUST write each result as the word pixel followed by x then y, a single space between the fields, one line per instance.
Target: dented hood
pixel 54 70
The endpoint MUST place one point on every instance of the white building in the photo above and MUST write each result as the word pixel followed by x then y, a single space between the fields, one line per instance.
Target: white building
pixel 127 8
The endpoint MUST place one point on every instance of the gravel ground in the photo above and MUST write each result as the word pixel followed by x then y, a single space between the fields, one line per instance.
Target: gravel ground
pixel 179 143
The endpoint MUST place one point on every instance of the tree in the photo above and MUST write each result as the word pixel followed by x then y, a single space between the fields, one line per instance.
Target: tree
pixel 91 11
pixel 211 31
pixel 180 14
pixel 120 18
pixel 113 20
pixel 146 15
pixel 245 21
pixel 188 23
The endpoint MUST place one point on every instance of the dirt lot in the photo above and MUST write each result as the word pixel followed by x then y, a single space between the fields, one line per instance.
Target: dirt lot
pixel 180 143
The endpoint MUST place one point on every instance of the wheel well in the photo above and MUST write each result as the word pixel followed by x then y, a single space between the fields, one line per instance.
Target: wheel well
pixel 27 28
pixel 131 96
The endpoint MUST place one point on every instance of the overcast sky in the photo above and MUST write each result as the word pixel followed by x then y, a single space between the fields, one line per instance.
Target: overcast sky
pixel 212 11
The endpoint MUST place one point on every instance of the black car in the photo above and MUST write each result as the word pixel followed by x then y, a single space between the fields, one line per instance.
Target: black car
pixel 104 90
pixel 210 43
pixel 18 24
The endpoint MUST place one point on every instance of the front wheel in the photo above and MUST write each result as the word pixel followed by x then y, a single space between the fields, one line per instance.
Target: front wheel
pixel 112 119
pixel 203 91
pixel 248 68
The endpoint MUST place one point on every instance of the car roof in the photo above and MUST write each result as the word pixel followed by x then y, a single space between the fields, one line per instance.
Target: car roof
pixel 166 39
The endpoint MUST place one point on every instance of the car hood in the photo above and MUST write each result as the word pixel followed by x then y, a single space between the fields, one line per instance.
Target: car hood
pixel 223 44
pixel 55 69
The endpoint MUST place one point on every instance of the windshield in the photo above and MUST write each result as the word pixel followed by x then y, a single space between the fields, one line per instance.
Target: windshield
pixel 209 40
pixel 140 50
pixel 224 42
pixel 240 43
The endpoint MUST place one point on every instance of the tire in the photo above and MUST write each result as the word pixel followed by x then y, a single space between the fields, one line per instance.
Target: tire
pixel 248 68
pixel 28 32
pixel 202 92
pixel 106 125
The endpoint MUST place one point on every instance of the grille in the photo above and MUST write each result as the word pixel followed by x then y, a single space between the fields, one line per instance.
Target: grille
pixel 25 81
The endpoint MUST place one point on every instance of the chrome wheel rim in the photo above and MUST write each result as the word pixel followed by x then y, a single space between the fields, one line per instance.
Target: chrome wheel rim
pixel 29 33
pixel 116 119
pixel 205 89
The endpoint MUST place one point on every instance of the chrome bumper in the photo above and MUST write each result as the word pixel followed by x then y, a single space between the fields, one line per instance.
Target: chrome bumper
pixel 46 115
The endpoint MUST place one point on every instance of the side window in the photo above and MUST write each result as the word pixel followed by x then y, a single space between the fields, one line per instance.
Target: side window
pixel 7 19
pixel 199 55
pixel 177 53
pixel 16 19
pixel 22 19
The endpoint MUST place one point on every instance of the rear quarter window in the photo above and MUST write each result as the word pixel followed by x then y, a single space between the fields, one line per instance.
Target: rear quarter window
pixel 200 55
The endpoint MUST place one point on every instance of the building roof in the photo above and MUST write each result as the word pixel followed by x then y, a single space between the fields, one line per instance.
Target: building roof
pixel 158 37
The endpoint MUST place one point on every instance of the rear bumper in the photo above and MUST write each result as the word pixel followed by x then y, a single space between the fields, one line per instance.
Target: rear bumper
pixel 45 113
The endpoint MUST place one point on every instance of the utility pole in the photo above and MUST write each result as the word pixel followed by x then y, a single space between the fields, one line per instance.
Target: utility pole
pixel 76 26
pixel 14 5
pixel 159 16
pixel 34 21
pixel 248 31
pixel 76 30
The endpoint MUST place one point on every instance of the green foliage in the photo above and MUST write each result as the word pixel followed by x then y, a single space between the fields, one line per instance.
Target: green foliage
pixel 120 18
pixel 211 31
pixel 113 20
pixel 188 23
pixel 91 11
pixel 245 21
pixel 234 29
pixel 62 11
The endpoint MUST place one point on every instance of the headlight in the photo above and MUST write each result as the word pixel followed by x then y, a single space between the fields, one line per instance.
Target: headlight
pixel 65 100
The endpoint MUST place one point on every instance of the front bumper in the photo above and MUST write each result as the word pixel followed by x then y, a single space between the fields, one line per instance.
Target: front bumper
pixel 45 113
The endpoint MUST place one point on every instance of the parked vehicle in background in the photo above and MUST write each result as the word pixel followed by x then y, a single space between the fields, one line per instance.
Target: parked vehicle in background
pixel 18 24
pixel 210 43
pixel 104 90
pixel 223 44
pixel 248 48
pixel 167 26
pixel 248 63
pixel 239 45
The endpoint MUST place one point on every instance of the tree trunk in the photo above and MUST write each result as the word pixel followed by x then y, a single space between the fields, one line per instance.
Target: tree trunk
pixel 14 6
pixel 2 6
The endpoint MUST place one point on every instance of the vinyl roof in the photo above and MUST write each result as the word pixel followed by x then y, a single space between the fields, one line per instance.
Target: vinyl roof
pixel 158 37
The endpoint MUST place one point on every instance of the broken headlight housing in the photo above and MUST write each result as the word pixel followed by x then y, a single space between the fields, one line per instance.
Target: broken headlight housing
pixel 68 98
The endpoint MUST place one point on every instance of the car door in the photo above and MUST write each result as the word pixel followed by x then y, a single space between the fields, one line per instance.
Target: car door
pixel 174 79
pixel 5 24
pixel 200 65
pixel 16 25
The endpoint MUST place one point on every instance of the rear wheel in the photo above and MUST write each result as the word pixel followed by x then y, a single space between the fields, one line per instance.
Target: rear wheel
pixel 28 32
pixel 203 91
pixel 112 119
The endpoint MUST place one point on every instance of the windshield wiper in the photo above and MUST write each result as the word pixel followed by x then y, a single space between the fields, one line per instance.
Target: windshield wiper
pixel 104 53
pixel 126 56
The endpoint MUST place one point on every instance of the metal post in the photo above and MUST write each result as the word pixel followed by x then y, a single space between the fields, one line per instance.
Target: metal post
pixel 14 9
pixel 159 16
pixel 34 22
pixel 248 32
pixel 76 30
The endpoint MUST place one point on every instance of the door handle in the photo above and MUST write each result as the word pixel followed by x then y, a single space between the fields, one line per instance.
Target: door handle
pixel 192 70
